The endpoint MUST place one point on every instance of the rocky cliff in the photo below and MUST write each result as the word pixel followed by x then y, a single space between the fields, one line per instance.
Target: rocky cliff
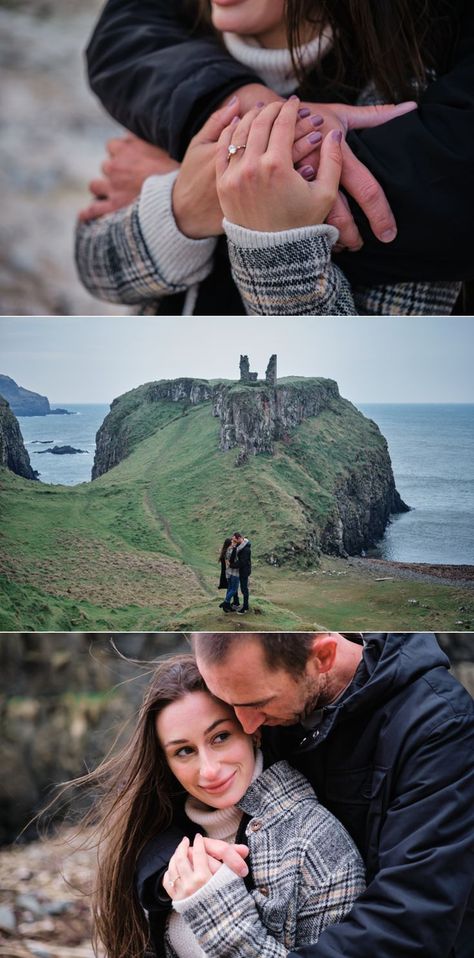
pixel 255 417
pixel 13 454
pixel 351 492
pixel 23 402
pixel 136 415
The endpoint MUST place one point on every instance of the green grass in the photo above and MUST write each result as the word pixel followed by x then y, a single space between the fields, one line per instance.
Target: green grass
pixel 136 550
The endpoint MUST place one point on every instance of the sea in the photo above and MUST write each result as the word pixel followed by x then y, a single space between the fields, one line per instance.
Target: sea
pixel 78 430
pixel 432 453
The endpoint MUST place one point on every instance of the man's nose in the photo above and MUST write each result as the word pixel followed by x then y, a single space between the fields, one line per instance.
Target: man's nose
pixel 250 719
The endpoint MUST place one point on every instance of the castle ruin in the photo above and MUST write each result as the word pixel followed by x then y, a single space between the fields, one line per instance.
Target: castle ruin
pixel 248 377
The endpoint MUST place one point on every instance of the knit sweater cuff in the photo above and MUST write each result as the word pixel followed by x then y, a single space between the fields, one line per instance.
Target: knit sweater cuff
pixel 180 260
pixel 255 239
pixel 223 876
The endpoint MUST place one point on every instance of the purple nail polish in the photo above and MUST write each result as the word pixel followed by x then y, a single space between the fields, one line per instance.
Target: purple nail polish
pixel 293 97
pixel 336 135
pixel 304 112
pixel 232 101
pixel 260 103
pixel 316 120
pixel 314 137
pixel 307 172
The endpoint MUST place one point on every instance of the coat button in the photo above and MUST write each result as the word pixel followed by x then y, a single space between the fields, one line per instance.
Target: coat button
pixel 255 825
pixel 265 890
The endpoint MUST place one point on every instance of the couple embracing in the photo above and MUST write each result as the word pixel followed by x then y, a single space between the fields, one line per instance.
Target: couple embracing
pixel 236 566
pixel 291 794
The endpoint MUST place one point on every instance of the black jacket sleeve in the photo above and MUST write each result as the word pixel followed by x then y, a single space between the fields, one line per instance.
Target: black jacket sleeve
pixel 155 75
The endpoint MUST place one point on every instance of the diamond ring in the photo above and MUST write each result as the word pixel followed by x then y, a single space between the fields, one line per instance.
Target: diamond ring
pixel 232 149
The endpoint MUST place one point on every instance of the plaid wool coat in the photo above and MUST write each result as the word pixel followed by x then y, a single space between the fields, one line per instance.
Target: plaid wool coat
pixel 305 867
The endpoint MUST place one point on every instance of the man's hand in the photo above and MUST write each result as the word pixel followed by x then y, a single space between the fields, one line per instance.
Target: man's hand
pixel 356 179
pixel 130 161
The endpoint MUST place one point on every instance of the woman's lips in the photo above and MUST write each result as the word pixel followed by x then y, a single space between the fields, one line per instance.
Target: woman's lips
pixel 220 787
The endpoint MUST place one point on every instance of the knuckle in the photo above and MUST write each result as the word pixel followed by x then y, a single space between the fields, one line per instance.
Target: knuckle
pixel 370 193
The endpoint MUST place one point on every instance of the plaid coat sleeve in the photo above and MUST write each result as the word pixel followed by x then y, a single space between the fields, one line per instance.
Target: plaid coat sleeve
pixel 289 273
pixel 230 925
pixel 116 262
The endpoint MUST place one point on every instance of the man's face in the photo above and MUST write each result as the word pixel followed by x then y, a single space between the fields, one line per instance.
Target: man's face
pixel 258 694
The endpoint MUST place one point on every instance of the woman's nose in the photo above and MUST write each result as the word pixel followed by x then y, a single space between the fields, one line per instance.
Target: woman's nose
pixel 209 767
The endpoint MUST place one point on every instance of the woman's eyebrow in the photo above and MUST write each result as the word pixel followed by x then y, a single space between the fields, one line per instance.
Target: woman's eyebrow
pixel 183 741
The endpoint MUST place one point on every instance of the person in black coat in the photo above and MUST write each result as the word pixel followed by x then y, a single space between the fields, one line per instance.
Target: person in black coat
pixel 161 77
pixel 242 554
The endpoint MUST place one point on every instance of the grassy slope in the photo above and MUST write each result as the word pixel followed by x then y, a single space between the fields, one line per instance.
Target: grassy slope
pixel 136 549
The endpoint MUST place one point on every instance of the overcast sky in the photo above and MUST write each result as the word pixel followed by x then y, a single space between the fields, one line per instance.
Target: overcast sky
pixel 95 359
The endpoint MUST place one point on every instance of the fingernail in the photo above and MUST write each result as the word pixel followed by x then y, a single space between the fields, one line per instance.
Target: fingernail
pixel 232 101
pixel 294 97
pixel 244 871
pixel 234 120
pixel 304 112
pixel 389 235
pixel 314 137
pixel 316 120
pixel 306 172
pixel 336 135
pixel 260 104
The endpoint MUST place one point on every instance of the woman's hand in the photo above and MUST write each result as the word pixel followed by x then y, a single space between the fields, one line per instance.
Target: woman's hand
pixel 189 869
pixel 196 206
pixel 259 188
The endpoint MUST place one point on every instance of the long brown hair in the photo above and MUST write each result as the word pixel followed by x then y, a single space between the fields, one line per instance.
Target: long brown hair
pixel 394 44
pixel 134 792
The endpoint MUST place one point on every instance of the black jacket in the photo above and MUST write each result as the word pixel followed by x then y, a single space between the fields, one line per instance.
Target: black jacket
pixel 243 559
pixel 393 761
pixel 162 85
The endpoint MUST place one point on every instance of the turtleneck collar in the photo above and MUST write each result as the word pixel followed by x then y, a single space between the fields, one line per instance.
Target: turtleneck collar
pixel 275 67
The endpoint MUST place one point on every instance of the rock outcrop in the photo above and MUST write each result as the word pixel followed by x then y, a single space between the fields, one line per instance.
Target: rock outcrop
pixel 116 437
pixel 254 418
pixel 23 402
pixel 60 451
pixel 13 454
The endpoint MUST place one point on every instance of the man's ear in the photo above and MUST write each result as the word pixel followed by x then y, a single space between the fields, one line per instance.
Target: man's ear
pixel 324 651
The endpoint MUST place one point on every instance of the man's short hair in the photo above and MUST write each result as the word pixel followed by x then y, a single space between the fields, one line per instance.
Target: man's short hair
pixel 282 650
pixel 238 535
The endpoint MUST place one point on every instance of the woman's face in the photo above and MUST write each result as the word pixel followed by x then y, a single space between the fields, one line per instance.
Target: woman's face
pixel 206 749
pixel 264 19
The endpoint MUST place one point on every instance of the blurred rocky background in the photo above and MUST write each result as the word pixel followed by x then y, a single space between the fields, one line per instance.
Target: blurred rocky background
pixel 52 140
pixel 63 699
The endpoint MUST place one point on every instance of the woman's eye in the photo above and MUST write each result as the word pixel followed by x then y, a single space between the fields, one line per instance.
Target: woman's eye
pixel 221 737
pixel 184 751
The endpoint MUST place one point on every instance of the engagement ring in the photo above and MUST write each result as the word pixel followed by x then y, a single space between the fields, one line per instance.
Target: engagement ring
pixel 232 148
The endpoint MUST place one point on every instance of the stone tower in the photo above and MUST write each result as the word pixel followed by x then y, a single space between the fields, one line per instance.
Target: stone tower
pixel 271 371
pixel 244 369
